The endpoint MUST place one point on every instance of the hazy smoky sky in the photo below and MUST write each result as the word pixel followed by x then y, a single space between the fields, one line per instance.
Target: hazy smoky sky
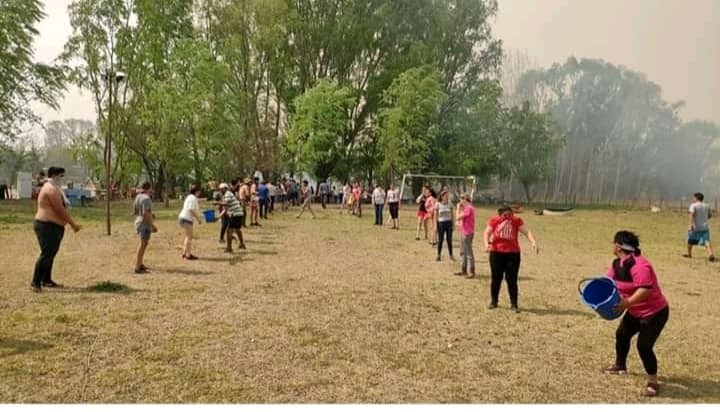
pixel 675 42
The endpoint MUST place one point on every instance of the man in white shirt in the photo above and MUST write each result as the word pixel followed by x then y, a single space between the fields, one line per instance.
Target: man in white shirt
pixel 698 228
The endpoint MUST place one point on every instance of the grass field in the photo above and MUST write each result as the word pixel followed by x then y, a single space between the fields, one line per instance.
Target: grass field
pixel 338 310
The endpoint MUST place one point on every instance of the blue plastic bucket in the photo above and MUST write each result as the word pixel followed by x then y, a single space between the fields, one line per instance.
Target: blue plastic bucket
pixel 601 295
pixel 209 215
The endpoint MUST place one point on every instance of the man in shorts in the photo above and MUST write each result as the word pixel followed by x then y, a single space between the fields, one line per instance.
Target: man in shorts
pixel 235 213
pixel 698 228
pixel 144 224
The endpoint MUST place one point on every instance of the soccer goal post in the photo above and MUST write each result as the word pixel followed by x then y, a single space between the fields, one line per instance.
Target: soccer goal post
pixel 456 185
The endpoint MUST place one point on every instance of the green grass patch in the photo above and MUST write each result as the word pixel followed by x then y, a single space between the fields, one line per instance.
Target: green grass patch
pixel 109 287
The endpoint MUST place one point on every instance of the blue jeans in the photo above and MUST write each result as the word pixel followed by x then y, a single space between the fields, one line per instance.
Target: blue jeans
pixel 379 214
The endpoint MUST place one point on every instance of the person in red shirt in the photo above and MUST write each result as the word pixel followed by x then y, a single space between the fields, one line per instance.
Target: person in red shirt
pixel 647 308
pixel 501 241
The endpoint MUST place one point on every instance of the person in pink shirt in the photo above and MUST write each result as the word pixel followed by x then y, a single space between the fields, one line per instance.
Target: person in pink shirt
pixel 430 200
pixel 647 309
pixel 466 221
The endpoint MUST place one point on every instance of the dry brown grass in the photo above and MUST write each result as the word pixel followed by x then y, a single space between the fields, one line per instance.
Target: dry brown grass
pixel 337 310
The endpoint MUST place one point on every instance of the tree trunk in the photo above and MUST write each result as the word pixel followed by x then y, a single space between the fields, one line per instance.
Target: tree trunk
pixel 559 171
pixel 160 184
pixel 526 189
pixel 571 175
pixel 617 178
pixel 588 175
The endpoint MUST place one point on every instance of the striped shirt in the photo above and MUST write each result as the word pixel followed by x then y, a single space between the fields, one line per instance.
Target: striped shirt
pixel 233 205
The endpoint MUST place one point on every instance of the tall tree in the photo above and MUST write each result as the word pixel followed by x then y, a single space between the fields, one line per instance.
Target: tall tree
pixel 315 138
pixel 22 80
pixel 530 146
pixel 407 125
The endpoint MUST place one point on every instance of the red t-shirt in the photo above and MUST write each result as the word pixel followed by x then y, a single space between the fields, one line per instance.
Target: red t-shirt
pixel 504 237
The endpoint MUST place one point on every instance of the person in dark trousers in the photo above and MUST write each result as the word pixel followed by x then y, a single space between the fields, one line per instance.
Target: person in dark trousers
pixel 444 218
pixel 324 191
pixel 234 213
pixel 501 241
pixel 49 225
pixel 263 199
pixel 378 201
pixel 646 306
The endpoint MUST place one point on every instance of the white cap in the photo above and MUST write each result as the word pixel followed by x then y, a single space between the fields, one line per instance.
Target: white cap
pixel 223 186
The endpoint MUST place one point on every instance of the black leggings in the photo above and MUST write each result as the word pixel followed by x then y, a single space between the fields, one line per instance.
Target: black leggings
pixel 649 329
pixel 445 229
pixel 224 223
pixel 505 265
pixel 49 236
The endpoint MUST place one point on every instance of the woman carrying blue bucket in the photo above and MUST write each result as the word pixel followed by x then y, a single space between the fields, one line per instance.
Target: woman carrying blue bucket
pixel 647 308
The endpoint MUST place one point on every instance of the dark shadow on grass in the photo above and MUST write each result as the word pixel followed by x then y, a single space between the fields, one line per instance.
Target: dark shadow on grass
pixel 263 242
pixel 689 388
pixel 557 312
pixel 109 287
pixel 231 259
pixel 18 346
pixel 264 252
pixel 185 271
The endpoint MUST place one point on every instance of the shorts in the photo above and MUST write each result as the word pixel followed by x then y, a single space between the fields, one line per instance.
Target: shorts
pixel 185 222
pixel 699 237
pixel 144 231
pixel 394 208
pixel 235 222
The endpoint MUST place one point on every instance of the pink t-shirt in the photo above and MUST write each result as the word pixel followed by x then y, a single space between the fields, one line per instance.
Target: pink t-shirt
pixel 467 227
pixel 643 276
pixel 430 205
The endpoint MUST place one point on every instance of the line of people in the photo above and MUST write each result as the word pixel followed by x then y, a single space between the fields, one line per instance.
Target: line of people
pixel 646 308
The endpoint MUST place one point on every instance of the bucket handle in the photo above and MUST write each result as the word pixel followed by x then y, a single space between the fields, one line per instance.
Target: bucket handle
pixel 583 281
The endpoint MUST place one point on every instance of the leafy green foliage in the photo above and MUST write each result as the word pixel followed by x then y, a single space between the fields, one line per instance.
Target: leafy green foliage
pixel 22 80
pixel 408 122
pixel 315 138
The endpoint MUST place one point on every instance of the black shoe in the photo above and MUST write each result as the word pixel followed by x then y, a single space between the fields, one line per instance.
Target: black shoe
pixel 492 305
pixel 141 270
pixel 711 258
pixel 437 259
pixel 52 284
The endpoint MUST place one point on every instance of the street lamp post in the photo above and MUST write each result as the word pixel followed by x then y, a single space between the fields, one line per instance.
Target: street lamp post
pixel 111 77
